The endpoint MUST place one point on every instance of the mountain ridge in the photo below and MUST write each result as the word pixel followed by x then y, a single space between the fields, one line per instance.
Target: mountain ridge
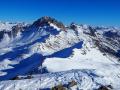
pixel 48 48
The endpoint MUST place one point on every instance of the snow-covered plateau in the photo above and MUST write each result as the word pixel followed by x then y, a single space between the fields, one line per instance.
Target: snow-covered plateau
pixel 47 55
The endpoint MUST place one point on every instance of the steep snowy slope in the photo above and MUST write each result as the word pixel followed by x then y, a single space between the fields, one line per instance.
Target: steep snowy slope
pixel 53 54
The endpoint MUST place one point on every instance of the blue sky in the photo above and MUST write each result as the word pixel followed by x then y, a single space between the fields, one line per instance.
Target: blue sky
pixel 94 12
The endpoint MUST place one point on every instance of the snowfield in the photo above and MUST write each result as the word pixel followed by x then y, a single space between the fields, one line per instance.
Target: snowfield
pixel 44 55
pixel 92 60
pixel 107 70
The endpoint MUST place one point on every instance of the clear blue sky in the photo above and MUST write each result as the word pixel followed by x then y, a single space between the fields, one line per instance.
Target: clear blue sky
pixel 94 12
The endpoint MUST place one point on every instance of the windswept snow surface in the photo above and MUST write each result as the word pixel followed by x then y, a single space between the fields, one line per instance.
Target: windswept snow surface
pixel 53 56
pixel 86 80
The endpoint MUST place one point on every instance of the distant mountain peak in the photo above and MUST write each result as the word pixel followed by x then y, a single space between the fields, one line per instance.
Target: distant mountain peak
pixel 46 20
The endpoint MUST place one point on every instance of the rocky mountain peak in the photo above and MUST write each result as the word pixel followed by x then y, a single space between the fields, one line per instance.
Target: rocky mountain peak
pixel 46 20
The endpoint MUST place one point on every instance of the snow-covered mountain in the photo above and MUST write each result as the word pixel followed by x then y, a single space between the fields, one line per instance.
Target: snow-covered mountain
pixel 47 53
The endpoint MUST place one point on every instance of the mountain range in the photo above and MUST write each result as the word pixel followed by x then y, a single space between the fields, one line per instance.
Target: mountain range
pixel 47 54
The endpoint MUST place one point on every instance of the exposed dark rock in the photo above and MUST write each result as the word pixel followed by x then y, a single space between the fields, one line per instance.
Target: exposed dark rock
pixel 108 87
pixel 46 21
pixel 16 78
pixel 59 87
pixel 103 88
pixel 29 77
pixel 104 49
pixel 72 83
pixel 92 31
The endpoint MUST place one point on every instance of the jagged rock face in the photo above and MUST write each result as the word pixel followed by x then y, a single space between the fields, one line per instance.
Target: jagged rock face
pixel 104 48
pixel 107 42
pixel 89 30
pixel 92 31
pixel 47 21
